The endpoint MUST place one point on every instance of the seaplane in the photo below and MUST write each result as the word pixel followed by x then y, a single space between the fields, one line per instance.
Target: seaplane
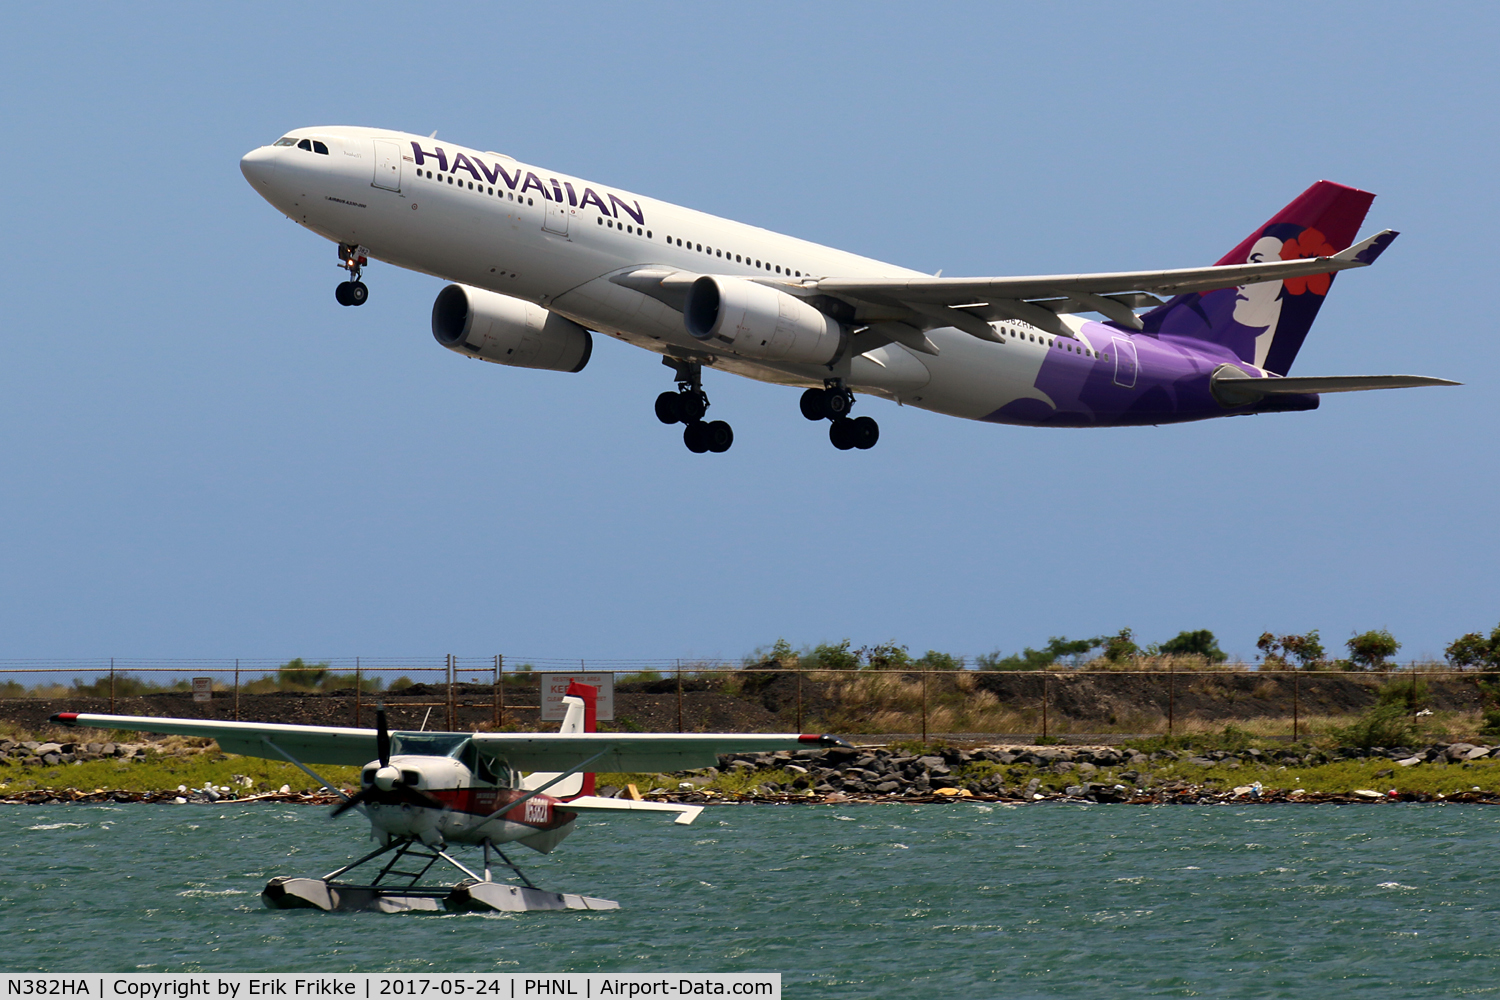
pixel 424 792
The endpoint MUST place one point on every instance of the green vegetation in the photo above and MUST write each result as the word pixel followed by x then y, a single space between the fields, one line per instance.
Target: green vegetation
pixel 159 772
pixel 1370 650
pixel 1200 643
pixel 1474 650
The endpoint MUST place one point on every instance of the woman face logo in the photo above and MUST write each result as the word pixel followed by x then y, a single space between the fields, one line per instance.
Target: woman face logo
pixel 1259 305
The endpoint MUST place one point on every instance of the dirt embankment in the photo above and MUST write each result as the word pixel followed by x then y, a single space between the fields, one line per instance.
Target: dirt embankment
pixel 762 701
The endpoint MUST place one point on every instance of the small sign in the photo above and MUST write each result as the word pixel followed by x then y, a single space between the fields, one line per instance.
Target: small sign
pixel 203 688
pixel 554 686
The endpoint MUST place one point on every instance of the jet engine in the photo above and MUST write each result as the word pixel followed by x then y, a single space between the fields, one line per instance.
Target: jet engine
pixel 508 331
pixel 757 321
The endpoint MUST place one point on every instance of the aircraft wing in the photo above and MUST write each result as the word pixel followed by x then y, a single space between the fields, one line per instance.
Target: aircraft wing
pixel 635 751
pixel 309 744
pixel 903 309
pixel 523 751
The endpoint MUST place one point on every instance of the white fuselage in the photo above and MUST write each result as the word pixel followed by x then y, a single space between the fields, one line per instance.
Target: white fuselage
pixel 492 222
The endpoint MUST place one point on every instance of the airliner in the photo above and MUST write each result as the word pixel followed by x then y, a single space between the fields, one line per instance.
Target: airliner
pixel 539 261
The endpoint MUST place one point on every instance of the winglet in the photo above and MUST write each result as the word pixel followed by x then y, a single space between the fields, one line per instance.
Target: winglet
pixel 1366 251
pixel 64 719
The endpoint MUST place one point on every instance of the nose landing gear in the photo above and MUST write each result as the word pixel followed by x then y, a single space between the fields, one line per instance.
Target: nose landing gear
pixel 352 292
pixel 687 406
pixel 832 403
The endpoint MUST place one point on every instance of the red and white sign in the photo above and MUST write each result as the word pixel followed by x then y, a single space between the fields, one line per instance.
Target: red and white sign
pixel 554 686
pixel 203 688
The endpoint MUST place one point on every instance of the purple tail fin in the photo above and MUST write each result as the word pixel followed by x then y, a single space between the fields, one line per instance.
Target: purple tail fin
pixel 1264 324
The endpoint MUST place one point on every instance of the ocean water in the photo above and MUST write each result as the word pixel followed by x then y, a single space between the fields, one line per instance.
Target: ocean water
pixel 963 900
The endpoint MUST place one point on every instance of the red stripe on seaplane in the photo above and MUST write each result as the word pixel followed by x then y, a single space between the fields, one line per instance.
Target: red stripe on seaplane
pixel 483 801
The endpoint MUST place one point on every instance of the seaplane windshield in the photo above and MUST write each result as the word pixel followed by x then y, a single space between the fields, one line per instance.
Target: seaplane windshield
pixel 429 744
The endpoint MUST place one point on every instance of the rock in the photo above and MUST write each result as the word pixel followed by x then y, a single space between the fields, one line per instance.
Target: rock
pixel 51 758
pixel 1477 753
pixel 1032 786
pixel 43 749
pixel 1139 760
pixel 1459 751
pixel 1233 764
pixel 1063 766
pixel 1073 791
pixel 1087 770
pixel 888 787
pixel 1202 761
pixel 795 769
pixel 94 748
pixel 1388 772
pixel 1367 793
pixel 1410 761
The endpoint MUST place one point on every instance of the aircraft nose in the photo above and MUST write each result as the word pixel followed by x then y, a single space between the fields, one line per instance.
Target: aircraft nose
pixel 258 166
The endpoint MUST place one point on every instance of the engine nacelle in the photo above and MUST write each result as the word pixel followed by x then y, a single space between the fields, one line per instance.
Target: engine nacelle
pixel 508 331
pixel 757 321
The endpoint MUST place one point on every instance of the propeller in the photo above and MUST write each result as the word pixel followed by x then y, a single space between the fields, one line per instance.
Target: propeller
pixel 387 788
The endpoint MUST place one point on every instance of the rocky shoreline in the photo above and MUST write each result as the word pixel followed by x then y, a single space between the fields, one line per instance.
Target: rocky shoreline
pixel 881 774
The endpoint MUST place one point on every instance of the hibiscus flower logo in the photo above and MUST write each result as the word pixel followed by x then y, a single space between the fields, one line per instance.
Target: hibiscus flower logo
pixel 1310 243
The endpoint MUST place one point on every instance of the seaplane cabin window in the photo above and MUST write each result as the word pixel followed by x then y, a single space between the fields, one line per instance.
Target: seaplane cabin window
pixel 318 147
pixel 287 141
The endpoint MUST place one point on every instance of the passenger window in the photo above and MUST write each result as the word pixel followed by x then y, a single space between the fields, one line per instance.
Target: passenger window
pixel 318 147
pixel 778 268
pixel 648 234
pixel 700 247
pixel 719 253
pixel 288 141
pixel 304 144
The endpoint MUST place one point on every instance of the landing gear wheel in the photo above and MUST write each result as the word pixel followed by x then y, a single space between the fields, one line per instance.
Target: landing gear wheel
pixel 696 437
pixel 864 432
pixel 837 403
pixel 341 293
pixel 720 436
pixel 668 408
pixel 692 404
pixel 841 433
pixel 357 294
pixel 812 404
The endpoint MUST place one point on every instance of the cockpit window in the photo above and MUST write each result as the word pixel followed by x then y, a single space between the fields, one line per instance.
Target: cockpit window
pixel 305 144
pixel 433 744
pixel 287 141
pixel 318 147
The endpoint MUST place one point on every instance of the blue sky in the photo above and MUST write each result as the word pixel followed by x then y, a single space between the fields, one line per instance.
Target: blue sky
pixel 206 456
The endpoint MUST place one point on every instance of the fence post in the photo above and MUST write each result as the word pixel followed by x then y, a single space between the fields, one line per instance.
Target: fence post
pixel 500 665
pixel 359 692
pixel 799 700
pixel 452 722
pixel 495 695
pixel 1296 695
pixel 924 706
pixel 1171 698
pixel 679 696
pixel 1046 678
pixel 236 689
pixel 112 686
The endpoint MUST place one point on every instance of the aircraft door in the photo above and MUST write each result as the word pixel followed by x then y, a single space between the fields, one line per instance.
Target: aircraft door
pixel 1126 363
pixel 556 219
pixel 387 165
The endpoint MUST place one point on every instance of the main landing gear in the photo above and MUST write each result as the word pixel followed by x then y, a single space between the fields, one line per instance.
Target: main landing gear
pixel 352 292
pixel 833 403
pixel 687 406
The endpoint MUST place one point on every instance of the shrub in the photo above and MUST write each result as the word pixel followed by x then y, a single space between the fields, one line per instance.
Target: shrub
pixel 1120 646
pixel 1307 650
pixel 1200 643
pixel 831 657
pixel 1057 647
pixel 297 674
pixel 1475 650
pixel 1383 726
pixel 933 660
pixel 1406 693
pixel 887 656
pixel 1371 650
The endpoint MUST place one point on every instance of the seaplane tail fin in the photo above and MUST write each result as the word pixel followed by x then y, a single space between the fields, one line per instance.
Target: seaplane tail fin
pixel 579 717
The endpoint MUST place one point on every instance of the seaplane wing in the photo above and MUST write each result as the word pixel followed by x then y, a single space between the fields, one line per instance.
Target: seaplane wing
pixel 311 744
pixel 523 751
pixel 593 803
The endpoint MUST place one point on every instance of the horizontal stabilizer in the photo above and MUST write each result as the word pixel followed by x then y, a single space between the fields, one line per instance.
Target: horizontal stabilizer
pixel 1232 387
pixel 1328 383
pixel 594 803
